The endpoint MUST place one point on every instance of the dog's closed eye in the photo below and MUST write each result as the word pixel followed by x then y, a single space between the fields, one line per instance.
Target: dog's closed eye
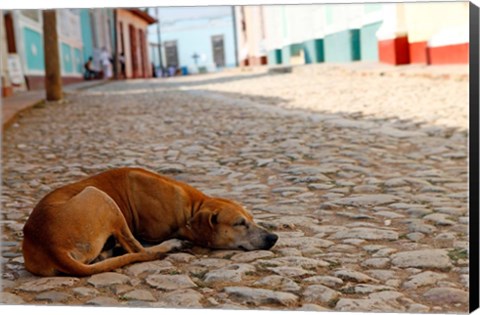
pixel 241 222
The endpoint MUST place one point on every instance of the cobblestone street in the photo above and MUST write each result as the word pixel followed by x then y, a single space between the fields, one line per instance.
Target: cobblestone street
pixel 363 177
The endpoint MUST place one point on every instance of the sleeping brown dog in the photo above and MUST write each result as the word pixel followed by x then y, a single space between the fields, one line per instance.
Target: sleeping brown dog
pixel 69 227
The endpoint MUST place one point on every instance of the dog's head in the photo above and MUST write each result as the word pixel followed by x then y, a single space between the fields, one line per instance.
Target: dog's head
pixel 223 224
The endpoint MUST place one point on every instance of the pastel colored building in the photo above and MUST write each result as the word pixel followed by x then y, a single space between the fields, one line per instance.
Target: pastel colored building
pixel 290 41
pixel 251 35
pixel 82 33
pixel 342 32
pixel 371 20
pixel 132 41
pixel 392 36
pixel 428 33
pixel 326 33
pixel 197 39
pixel 25 38
pixel 392 33
pixel 96 33
pixel 438 32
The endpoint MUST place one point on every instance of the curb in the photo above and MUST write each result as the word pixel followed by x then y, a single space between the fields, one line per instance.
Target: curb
pixel 10 120
pixel 32 103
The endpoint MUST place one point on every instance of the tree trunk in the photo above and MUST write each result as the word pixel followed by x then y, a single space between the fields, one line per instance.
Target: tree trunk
pixel 53 76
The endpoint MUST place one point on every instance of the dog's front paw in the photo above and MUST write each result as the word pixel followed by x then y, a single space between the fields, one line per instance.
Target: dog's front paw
pixel 175 245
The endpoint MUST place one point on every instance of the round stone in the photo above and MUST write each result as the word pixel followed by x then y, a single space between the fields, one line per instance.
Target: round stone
pixel 261 296
pixel 446 295
pixel 426 258
pixel 170 282
pixel 107 279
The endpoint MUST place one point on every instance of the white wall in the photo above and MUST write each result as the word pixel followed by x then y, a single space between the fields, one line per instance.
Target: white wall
pixel 423 20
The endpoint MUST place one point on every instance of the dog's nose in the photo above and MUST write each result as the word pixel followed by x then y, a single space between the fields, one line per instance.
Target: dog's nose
pixel 270 240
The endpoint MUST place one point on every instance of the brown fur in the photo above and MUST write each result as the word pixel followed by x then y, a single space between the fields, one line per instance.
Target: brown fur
pixel 69 227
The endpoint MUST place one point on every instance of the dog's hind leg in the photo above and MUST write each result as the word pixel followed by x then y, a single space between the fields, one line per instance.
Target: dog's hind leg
pixel 93 217
pixel 126 239
pixel 121 231
pixel 71 266
pixel 66 238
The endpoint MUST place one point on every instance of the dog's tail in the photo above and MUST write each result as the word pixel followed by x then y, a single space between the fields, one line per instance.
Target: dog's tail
pixel 71 266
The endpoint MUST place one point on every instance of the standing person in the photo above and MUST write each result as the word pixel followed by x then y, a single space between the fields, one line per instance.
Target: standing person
pixel 154 71
pixel 105 62
pixel 122 65
pixel 172 70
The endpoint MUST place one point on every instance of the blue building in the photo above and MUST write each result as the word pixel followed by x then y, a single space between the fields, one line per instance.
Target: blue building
pixel 81 33
pixel 200 39
pixel 97 31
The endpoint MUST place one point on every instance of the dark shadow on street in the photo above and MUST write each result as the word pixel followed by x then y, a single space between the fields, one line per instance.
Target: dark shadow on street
pixel 177 82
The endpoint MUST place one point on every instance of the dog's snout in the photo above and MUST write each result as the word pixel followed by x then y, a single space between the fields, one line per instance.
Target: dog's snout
pixel 270 240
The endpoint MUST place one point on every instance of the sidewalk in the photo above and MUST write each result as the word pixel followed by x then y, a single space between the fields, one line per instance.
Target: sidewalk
pixel 456 72
pixel 13 105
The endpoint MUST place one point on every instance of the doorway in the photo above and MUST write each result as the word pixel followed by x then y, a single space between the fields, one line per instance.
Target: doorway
pixel 218 51
pixel 134 51
pixel 171 53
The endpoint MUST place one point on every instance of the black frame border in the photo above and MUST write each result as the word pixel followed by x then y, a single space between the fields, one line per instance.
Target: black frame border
pixel 474 159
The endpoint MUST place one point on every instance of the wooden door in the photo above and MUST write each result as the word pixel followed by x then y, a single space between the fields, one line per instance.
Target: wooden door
pixel 143 54
pixel 134 51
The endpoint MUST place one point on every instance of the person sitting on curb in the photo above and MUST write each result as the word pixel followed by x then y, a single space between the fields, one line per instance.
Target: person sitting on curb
pixel 90 73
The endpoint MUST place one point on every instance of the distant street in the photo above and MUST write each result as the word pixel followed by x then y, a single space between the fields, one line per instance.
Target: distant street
pixel 362 175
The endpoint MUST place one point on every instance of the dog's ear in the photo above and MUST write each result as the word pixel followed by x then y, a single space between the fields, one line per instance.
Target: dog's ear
pixel 203 219
pixel 213 219
pixel 198 227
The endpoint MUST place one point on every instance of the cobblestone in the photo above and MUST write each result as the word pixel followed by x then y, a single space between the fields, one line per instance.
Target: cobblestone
pixel 261 296
pixel 365 188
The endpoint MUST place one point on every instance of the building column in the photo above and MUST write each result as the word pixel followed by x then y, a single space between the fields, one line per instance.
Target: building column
pixel 393 47
pixel 7 89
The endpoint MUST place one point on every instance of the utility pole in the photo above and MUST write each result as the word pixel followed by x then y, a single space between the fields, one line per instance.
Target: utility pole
pixel 235 39
pixel 159 40
pixel 53 77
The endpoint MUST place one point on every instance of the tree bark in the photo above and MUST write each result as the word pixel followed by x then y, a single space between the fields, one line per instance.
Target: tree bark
pixel 53 76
